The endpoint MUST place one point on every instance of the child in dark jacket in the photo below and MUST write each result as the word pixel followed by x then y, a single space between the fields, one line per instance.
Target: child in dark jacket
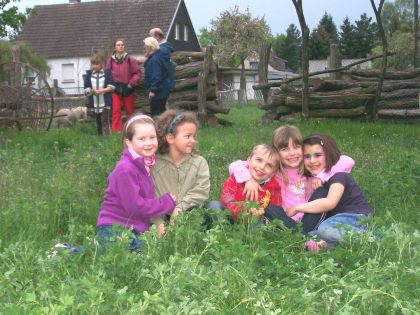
pixel 99 85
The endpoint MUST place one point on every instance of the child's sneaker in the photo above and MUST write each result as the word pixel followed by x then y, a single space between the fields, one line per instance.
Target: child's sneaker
pixel 314 246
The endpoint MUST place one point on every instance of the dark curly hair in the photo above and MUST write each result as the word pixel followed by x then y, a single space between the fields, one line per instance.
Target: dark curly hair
pixel 168 123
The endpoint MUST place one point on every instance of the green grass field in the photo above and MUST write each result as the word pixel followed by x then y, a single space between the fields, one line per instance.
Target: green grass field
pixel 51 188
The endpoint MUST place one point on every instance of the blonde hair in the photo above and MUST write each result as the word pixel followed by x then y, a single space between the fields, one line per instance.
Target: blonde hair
pixel 151 42
pixel 266 148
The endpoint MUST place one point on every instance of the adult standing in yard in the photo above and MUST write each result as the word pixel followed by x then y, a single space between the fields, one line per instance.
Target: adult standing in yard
pixel 126 74
pixel 166 51
pixel 156 77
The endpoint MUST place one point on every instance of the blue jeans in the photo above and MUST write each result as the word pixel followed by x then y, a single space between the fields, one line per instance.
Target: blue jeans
pixel 106 235
pixel 332 234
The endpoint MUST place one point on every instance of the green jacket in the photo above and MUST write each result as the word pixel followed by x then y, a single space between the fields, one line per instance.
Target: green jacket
pixel 190 182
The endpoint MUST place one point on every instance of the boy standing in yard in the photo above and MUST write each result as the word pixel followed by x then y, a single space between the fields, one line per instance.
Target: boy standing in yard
pixel 263 162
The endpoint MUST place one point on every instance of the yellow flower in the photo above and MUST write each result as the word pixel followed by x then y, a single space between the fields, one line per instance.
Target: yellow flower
pixel 265 201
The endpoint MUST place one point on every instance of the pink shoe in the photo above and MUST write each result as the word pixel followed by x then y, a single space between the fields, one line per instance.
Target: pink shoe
pixel 314 246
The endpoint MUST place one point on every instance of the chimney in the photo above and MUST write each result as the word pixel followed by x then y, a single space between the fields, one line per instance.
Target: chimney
pixel 74 1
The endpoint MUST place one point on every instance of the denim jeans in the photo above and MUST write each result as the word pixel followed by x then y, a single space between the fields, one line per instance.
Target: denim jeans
pixel 334 228
pixel 106 235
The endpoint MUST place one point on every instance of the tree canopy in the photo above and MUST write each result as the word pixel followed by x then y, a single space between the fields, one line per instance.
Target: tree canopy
pixel 11 20
pixel 238 34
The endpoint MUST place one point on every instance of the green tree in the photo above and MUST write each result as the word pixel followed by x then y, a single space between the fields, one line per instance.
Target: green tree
pixel 346 38
pixel 11 20
pixel 401 44
pixel 38 62
pixel 366 33
pixel 321 38
pixel 238 35
pixel 398 16
pixel 291 47
pixel 205 37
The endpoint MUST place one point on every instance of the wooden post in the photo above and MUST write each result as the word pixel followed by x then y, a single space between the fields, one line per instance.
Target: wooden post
pixel 15 73
pixel 416 34
pixel 334 62
pixel 202 85
pixel 263 69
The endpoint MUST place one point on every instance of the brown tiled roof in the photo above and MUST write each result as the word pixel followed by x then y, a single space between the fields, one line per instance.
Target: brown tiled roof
pixel 277 63
pixel 75 30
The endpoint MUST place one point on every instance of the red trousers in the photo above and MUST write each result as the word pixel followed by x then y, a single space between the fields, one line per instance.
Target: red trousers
pixel 117 101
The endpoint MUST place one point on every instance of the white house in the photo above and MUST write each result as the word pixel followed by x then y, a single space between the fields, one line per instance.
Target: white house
pixel 68 34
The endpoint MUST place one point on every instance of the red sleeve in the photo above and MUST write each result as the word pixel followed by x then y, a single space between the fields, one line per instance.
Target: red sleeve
pixel 275 192
pixel 227 195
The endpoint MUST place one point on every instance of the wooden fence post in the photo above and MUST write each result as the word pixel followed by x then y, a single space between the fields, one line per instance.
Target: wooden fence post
pixel 263 69
pixel 334 62
pixel 202 85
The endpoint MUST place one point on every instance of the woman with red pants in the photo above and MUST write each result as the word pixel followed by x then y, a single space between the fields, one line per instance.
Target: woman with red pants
pixel 126 74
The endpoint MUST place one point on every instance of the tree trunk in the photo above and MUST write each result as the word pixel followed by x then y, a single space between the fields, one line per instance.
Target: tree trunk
pixel 399 113
pixel 242 84
pixel 339 113
pixel 265 51
pixel 416 34
pixel 202 85
pixel 399 104
pixel 332 101
pixel 305 58
pixel 189 70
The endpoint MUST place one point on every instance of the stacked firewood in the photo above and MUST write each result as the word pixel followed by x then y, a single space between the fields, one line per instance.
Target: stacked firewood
pixel 195 86
pixel 351 97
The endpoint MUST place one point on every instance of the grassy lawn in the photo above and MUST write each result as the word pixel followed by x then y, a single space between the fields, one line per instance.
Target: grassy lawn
pixel 51 188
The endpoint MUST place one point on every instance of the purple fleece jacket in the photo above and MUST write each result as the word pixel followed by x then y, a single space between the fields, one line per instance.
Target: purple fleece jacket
pixel 130 196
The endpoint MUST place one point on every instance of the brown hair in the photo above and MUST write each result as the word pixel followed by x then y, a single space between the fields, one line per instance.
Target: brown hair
pixel 97 59
pixel 130 125
pixel 115 43
pixel 329 146
pixel 168 123
pixel 266 148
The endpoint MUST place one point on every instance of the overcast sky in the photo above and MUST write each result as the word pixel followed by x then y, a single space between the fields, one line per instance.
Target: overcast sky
pixel 279 14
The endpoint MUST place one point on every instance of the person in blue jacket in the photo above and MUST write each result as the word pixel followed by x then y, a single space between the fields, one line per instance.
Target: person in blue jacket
pixel 156 76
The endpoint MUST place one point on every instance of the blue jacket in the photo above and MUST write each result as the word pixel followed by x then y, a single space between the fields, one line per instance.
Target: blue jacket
pixel 167 50
pixel 157 75
pixel 130 196
pixel 109 81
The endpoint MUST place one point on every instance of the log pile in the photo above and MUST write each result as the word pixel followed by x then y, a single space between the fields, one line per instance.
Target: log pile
pixel 351 98
pixel 195 86
pixel 400 92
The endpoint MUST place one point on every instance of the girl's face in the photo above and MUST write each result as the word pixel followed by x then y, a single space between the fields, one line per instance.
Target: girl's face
pixel 119 47
pixel 96 67
pixel 144 140
pixel 262 166
pixel 184 140
pixel 292 155
pixel 314 158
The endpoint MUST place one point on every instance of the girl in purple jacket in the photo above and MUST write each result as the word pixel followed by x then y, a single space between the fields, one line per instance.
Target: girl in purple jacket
pixel 130 199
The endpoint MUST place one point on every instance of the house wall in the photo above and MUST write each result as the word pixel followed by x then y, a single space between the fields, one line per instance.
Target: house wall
pixel 183 21
pixel 71 84
pixel 230 81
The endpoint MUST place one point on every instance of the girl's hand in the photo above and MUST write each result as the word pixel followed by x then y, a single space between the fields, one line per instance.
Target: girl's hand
pixel 257 212
pixel 174 214
pixel 316 183
pixel 151 95
pixel 251 190
pixel 161 229
pixel 292 211
pixel 173 197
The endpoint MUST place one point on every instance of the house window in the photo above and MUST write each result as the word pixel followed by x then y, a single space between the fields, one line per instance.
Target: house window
pixel 68 72
pixel 186 32
pixel 176 31
pixel 253 65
